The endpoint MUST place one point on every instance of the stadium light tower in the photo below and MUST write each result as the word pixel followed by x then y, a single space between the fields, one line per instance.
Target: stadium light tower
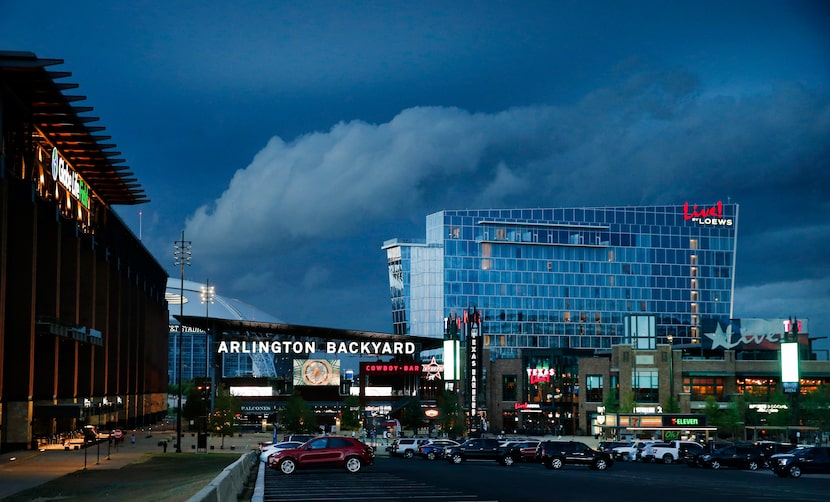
pixel 181 258
pixel 207 295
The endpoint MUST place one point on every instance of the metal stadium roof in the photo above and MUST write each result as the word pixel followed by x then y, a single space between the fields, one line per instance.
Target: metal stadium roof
pixel 25 76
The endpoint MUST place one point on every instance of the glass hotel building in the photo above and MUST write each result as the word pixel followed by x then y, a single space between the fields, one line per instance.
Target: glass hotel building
pixel 567 277
pixel 554 285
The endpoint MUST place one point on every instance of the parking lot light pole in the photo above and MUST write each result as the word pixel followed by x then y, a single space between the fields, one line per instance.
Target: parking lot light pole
pixel 181 257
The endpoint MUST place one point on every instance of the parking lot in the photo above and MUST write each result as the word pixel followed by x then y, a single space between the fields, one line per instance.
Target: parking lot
pixel 421 480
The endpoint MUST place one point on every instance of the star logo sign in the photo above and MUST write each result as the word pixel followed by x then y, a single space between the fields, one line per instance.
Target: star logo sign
pixel 721 338
pixel 433 370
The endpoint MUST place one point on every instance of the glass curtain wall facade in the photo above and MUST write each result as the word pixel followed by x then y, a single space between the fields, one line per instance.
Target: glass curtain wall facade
pixel 566 277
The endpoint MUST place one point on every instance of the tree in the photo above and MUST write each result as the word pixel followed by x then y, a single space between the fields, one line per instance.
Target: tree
pixel 352 412
pixel 195 405
pixel 225 418
pixel 452 417
pixel 815 408
pixel 628 403
pixel 298 416
pixel 412 416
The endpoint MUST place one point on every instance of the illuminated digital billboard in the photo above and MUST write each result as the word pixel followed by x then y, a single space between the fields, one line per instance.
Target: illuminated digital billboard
pixel 316 372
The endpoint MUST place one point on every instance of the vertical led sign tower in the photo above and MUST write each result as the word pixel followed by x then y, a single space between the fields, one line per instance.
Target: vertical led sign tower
pixel 474 363
pixel 789 358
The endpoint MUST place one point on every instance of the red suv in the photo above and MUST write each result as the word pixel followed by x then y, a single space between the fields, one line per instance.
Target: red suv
pixel 324 451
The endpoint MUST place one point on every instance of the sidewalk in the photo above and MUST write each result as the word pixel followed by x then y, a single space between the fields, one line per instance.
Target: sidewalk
pixel 21 470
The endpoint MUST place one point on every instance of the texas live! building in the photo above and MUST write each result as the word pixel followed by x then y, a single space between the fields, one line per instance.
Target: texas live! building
pixel 551 285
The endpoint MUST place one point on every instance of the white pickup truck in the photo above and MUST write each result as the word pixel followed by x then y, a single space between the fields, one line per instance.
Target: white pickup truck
pixel 629 453
pixel 668 452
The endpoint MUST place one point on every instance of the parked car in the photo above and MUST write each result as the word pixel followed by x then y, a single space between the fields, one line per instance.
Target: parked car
pixel 407 447
pixel 324 451
pixel 519 451
pixel 434 449
pixel 608 446
pixel 770 448
pixel 800 461
pixel 299 437
pixel 692 457
pixel 557 454
pixel 475 449
pixel 669 451
pixel 266 451
pixel 630 452
pixel 738 456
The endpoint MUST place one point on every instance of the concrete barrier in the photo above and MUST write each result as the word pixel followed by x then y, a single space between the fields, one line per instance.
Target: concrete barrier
pixel 230 482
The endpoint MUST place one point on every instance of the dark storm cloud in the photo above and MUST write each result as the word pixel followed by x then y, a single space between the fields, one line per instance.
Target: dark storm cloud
pixel 653 137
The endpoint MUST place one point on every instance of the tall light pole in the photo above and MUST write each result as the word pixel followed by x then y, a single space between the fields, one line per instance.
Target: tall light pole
pixel 208 295
pixel 671 373
pixel 181 257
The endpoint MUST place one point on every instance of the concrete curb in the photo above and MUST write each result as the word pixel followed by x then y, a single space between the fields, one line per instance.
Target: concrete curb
pixel 229 483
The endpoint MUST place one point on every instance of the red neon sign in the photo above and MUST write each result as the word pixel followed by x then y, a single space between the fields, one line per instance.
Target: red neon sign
pixel 706 216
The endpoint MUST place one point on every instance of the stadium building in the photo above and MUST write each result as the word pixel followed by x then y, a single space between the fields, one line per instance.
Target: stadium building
pixel 83 318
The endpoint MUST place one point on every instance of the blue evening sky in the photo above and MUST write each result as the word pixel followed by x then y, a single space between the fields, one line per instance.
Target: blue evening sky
pixel 290 139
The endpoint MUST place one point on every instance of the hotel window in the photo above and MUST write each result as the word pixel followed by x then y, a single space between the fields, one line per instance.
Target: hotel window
pixel 509 388
pixel 455 233
pixel 593 383
pixel 501 234
pixel 701 387
pixel 566 316
pixel 610 255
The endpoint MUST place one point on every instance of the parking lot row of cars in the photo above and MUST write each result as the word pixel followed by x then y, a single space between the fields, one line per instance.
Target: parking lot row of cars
pixel 786 460
pixel 352 454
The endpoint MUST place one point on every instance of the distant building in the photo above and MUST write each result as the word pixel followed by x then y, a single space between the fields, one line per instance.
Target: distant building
pixel 553 285
pixel 194 341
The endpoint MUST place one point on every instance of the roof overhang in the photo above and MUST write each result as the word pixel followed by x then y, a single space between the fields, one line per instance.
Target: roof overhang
pixel 25 78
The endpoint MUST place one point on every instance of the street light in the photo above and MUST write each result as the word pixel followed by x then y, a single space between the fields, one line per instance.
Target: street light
pixel 207 295
pixel 182 256
pixel 671 373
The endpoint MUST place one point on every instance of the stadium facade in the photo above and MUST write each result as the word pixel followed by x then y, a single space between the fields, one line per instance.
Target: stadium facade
pixel 191 299
pixel 82 309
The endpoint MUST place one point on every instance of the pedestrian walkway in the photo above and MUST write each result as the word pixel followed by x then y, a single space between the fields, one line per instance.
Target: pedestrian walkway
pixel 21 470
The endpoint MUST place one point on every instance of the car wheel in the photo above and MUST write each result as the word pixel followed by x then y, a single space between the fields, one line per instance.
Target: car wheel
pixel 288 466
pixel 752 465
pixel 715 464
pixel 353 464
pixel 431 455
pixel 667 458
pixel 600 465
pixel 795 471
pixel 507 460
pixel 456 459
pixel 555 463
pixel 409 454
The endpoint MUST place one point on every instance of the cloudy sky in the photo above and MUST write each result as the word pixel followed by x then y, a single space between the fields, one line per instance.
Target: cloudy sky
pixel 290 139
